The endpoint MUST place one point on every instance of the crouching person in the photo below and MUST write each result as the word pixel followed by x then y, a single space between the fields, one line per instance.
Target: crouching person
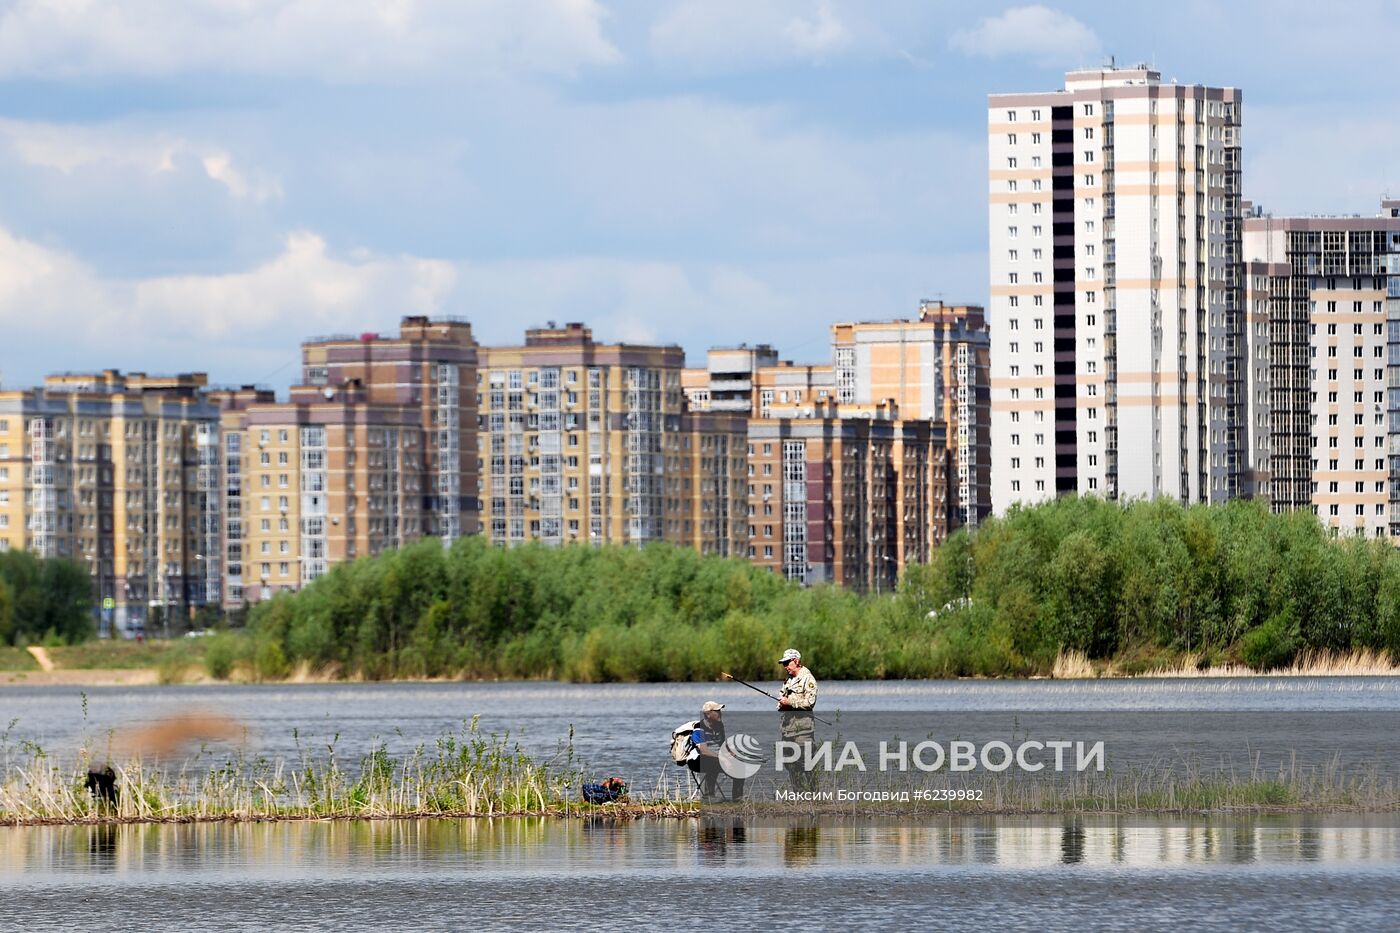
pixel 708 739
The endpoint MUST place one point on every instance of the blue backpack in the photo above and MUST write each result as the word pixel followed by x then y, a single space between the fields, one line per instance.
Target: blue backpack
pixel 609 791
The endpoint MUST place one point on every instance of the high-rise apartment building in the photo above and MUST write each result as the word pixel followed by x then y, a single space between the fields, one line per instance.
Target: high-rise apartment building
pixel 376 448
pixel 845 499
pixel 935 367
pixel 584 441
pixel 710 456
pixel 1117 312
pixel 1333 288
pixel 120 473
pixel 431 367
pixel 325 477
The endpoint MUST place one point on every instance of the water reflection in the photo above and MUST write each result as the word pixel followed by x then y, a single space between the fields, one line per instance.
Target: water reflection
pixel 800 845
pixel 532 845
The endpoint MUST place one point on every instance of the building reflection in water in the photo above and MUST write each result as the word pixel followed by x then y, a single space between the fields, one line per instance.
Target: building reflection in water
pixel 511 844
pixel 800 845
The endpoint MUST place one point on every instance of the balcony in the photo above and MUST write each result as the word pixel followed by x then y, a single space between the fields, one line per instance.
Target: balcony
pixel 730 404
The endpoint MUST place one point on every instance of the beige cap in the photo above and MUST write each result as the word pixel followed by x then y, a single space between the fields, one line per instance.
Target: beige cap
pixel 792 654
pixel 710 706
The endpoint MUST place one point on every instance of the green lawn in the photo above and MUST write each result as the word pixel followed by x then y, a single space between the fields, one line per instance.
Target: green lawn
pixel 107 655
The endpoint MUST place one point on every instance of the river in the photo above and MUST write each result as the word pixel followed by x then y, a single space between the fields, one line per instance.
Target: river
pixel 1291 870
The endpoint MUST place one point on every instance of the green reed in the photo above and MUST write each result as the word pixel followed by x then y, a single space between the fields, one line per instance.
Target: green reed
pixel 467 773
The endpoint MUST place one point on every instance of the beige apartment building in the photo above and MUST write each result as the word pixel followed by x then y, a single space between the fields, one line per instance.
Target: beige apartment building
pixel 1333 287
pixel 935 367
pixel 120 473
pixel 1116 293
pixel 429 367
pixel 376 448
pixel 325 477
pixel 848 499
pixel 751 380
pixel 583 441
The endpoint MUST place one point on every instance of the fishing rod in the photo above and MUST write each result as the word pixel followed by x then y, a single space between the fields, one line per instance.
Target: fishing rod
pixel 728 676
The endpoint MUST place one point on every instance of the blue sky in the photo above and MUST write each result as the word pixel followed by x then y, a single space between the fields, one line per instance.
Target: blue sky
pixel 199 184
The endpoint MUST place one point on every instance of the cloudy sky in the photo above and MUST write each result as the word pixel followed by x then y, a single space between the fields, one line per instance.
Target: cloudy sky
pixel 199 184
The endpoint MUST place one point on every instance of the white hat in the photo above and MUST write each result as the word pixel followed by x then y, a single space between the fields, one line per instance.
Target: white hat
pixel 792 654
pixel 711 705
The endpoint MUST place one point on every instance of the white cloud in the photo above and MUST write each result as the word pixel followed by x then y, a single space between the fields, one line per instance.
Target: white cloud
pixel 72 148
pixel 706 34
pixel 1046 35
pixel 219 166
pixel 304 285
pixel 335 40
pixel 59 313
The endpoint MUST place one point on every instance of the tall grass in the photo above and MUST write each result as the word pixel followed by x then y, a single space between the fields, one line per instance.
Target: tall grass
pixel 463 774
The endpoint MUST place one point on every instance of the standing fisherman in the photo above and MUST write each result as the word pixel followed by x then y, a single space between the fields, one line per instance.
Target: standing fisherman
pixel 796 701
pixel 800 691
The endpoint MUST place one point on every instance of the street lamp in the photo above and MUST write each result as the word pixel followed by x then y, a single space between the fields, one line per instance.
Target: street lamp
pixel 879 570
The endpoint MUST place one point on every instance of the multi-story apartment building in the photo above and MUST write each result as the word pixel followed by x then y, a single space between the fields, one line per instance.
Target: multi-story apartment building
pixel 1116 291
pixel 1276 400
pixel 118 472
pixel 727 383
pixel 328 476
pixel 792 387
pixel 1334 293
pixel 708 476
pixel 845 499
pixel 431 367
pixel 583 441
pixel 935 367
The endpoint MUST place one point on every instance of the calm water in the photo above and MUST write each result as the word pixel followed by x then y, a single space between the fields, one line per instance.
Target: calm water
pixel 1300 872
pixel 440 874
pixel 618 728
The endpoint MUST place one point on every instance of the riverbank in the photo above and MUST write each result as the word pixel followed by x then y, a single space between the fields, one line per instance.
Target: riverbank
pixel 185 662
pixel 1263 798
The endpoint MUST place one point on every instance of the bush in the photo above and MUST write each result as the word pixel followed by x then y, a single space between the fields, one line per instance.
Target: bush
pixel 1147 581
pixel 269 661
pixel 1271 645
pixel 221 654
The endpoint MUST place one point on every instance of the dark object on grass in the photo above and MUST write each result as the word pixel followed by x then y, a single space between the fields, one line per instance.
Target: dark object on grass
pixel 609 791
pixel 103 785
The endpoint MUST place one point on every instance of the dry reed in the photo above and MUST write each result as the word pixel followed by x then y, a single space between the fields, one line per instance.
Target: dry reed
pixel 1362 662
